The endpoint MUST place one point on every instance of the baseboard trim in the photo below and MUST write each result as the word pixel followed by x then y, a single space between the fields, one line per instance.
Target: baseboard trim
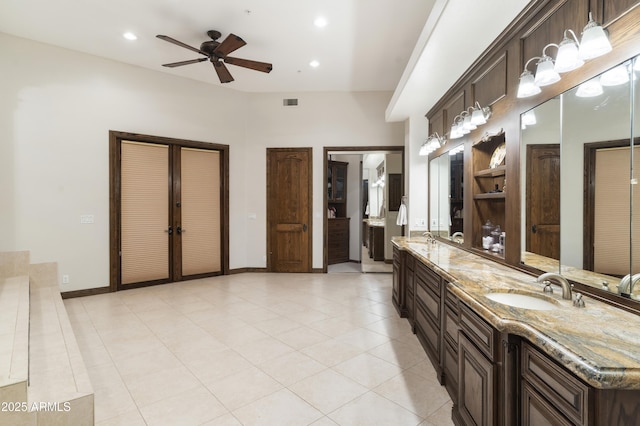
pixel 82 293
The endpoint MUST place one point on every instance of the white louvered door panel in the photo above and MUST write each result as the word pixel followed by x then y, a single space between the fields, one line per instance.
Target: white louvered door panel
pixel 200 201
pixel 144 212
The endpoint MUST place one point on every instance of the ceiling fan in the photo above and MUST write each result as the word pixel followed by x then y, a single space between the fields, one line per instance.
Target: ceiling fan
pixel 217 52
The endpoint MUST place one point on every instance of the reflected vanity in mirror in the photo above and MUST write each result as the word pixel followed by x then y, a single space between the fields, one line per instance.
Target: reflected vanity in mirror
pixel 579 186
pixel 446 207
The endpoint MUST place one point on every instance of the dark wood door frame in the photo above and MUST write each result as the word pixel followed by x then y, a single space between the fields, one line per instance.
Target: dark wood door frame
pixel 115 139
pixel 348 150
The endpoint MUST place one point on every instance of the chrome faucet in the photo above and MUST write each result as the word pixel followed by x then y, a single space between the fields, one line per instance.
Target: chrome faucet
pixel 457 237
pixel 625 287
pixel 430 237
pixel 559 279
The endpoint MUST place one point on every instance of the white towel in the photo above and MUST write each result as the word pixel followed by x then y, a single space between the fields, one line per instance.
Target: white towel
pixel 402 215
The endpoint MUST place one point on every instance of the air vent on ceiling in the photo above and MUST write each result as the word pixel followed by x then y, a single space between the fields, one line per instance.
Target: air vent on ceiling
pixel 290 102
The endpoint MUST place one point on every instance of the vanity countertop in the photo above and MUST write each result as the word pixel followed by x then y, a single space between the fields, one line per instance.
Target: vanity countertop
pixel 599 343
pixel 374 222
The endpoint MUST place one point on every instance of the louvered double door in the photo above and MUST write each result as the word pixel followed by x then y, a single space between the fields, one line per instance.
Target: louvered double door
pixel 170 213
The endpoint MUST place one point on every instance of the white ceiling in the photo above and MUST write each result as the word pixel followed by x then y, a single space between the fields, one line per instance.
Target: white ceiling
pixel 368 45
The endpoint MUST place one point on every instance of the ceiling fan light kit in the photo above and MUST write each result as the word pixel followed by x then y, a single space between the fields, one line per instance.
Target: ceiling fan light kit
pixel 217 53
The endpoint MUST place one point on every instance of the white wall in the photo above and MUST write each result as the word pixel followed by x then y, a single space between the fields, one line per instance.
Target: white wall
pixel 417 178
pixel 57 107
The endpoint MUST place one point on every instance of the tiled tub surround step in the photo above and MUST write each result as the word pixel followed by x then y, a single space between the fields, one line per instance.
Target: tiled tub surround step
pixel 43 379
pixel 57 370
pixel 14 339
pixel 598 343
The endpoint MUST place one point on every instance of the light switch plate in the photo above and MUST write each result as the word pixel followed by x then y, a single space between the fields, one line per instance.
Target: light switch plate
pixel 86 218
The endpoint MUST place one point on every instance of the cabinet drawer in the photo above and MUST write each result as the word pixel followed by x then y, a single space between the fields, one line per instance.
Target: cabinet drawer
pixel 563 390
pixel 478 331
pixel 451 326
pixel 428 277
pixel 409 262
pixel 430 302
pixel 451 300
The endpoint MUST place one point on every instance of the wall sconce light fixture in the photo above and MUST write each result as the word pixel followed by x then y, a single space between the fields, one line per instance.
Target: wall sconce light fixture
pixel 480 115
pixel 433 142
pixel 571 55
pixel 594 41
pixel 469 120
pixel 568 58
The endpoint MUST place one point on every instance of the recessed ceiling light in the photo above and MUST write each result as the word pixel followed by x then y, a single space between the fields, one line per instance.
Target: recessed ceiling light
pixel 320 22
pixel 130 36
pixel 314 64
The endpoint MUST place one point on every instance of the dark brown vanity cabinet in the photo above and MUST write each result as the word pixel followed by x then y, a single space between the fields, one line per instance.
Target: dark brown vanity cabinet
pixel 450 328
pixel 338 240
pixel 552 395
pixel 409 288
pixel 549 394
pixel 397 295
pixel 478 371
pixel 428 311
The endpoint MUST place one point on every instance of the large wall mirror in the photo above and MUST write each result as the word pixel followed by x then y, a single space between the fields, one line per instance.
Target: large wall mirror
pixel 580 197
pixel 446 193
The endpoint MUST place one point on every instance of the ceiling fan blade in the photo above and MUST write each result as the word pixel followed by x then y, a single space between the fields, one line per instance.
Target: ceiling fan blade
pixel 246 63
pixel 223 73
pixel 231 43
pixel 179 64
pixel 181 44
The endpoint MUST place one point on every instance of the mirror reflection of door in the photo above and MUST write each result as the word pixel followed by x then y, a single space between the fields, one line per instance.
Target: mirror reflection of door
pixel 610 210
pixel 543 200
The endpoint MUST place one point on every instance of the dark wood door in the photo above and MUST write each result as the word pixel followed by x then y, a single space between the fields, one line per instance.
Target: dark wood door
pixel 543 200
pixel 289 195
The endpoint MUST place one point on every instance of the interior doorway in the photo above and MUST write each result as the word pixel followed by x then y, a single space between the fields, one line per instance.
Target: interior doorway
pixel 168 210
pixel 374 186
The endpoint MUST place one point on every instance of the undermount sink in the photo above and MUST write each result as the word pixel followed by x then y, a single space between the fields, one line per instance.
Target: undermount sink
pixel 523 301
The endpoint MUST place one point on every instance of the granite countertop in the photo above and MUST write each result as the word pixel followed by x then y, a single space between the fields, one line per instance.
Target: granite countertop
pixel 599 343
pixel 374 222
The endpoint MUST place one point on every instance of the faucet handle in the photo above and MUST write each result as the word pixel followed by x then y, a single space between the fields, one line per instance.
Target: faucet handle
pixel 578 302
pixel 547 286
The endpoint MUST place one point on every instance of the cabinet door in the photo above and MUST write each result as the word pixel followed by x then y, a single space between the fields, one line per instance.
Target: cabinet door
pixel 476 385
pixel 536 411
pixel 450 370
pixel 340 183
pixel 396 281
pixel 428 332
pixel 408 295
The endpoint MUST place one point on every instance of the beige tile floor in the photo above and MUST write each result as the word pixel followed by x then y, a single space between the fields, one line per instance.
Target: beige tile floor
pixel 257 349
pixel 367 265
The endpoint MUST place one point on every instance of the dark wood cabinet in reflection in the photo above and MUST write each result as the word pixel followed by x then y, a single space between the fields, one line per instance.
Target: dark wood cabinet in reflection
pixel 338 245
pixel 337 187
